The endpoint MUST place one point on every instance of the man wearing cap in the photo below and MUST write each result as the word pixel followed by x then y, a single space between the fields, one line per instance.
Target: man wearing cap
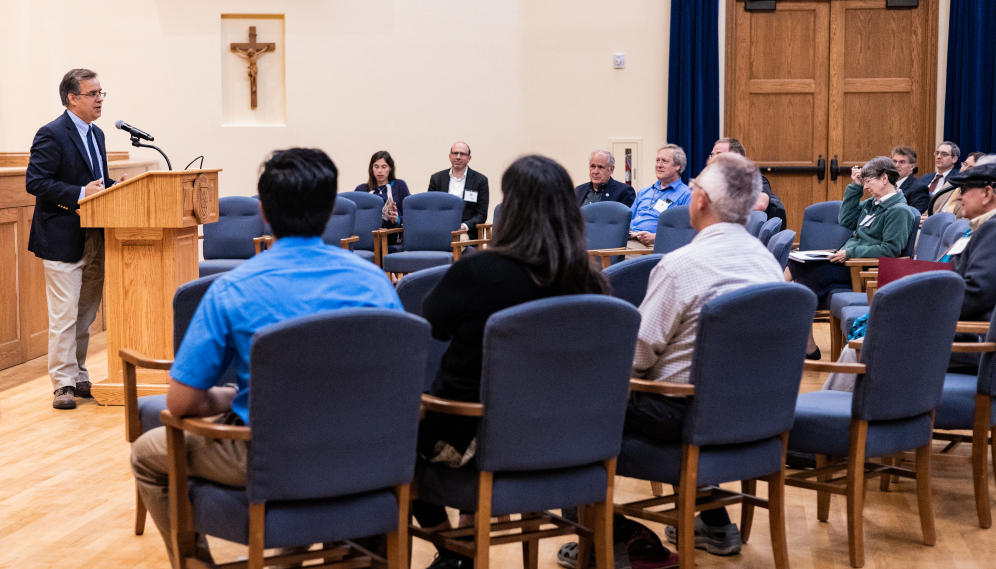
pixel 602 187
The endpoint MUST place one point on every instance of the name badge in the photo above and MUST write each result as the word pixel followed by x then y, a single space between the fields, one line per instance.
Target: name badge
pixel 469 196
pixel 661 205
pixel 959 246
pixel 867 221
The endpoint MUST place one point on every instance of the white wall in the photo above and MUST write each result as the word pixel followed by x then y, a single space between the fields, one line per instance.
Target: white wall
pixel 508 76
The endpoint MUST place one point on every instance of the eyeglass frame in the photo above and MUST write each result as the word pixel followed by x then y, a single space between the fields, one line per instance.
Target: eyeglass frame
pixel 93 94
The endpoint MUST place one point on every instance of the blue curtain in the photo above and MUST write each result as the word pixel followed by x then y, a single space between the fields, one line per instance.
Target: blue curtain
pixel 693 80
pixel 970 107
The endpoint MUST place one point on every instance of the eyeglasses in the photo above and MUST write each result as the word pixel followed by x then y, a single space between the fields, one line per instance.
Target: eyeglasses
pixel 94 94
pixel 459 154
pixel 938 153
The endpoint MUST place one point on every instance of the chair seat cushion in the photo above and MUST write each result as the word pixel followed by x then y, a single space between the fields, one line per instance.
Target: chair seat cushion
pixel 822 426
pixel 834 289
pixel 411 261
pixel 214 266
pixel 364 254
pixel 849 314
pixel 148 411
pixel 512 492
pixel 647 459
pixel 223 512
pixel 841 299
pixel 957 408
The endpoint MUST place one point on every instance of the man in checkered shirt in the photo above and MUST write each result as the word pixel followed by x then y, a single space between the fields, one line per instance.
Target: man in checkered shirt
pixel 722 258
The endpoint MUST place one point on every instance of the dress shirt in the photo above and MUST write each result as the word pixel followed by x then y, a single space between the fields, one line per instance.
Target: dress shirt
pixel 457 184
pixel 84 129
pixel 941 182
pixel 644 214
pixel 878 201
pixel 722 258
pixel 297 276
pixel 900 181
pixel 594 195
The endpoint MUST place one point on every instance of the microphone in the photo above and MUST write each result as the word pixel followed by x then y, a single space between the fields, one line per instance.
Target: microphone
pixel 133 131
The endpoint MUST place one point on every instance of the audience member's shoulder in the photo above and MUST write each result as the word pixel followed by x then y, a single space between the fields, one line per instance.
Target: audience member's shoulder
pixel 361 188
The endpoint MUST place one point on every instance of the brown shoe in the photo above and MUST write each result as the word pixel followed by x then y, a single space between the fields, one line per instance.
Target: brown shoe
pixel 64 398
pixel 83 389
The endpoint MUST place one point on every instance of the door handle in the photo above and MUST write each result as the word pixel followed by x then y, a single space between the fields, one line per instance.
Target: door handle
pixel 834 169
pixel 820 169
pixel 821 166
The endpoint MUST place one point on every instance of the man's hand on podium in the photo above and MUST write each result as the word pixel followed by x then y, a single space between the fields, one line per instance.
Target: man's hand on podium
pixel 94 187
pixel 122 178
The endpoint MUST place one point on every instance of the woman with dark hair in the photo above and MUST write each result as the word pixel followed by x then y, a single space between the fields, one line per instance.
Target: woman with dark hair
pixel 382 182
pixel 881 225
pixel 538 252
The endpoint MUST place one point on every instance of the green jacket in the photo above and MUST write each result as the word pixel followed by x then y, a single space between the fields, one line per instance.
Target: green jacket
pixel 889 230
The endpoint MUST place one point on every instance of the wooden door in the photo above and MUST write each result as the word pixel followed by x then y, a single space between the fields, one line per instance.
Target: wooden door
pixel 23 307
pixel 34 303
pixel 11 346
pixel 834 78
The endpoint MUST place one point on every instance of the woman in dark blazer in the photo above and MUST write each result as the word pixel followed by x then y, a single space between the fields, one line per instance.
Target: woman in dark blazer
pixel 380 181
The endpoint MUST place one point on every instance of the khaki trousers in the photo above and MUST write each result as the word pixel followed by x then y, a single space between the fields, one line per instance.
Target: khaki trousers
pixel 634 244
pixel 222 461
pixel 73 291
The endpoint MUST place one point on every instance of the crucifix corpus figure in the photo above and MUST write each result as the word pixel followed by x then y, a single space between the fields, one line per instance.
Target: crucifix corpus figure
pixel 252 51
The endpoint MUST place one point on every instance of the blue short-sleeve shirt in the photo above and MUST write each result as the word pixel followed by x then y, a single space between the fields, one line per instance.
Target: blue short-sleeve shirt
pixel 297 276
pixel 644 214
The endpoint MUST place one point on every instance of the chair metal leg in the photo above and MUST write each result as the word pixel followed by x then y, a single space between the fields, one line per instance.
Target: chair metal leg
pixel 983 408
pixel 141 513
pixel 747 510
pixel 822 497
pixel 257 518
pixel 482 521
pixel 856 492
pixel 923 494
pixel 603 521
pixel 687 489
pixel 397 541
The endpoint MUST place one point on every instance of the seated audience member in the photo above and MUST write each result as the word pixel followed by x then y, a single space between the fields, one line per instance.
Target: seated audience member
pixel 381 181
pixel 916 192
pixel 603 187
pixel 947 199
pixel 668 190
pixel 767 201
pixel 945 157
pixel 881 225
pixel 297 190
pixel 538 252
pixel 470 185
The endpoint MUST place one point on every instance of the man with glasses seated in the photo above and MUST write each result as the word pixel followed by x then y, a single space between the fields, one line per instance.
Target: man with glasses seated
pixel 667 191
pixel 767 201
pixel 945 158
pixel 470 185
pixel 68 163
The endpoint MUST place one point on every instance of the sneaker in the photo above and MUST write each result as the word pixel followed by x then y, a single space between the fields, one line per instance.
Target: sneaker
pixel 83 389
pixel 567 556
pixel 450 560
pixel 64 398
pixel 715 540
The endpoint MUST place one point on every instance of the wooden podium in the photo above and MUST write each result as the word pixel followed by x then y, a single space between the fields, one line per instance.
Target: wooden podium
pixel 150 242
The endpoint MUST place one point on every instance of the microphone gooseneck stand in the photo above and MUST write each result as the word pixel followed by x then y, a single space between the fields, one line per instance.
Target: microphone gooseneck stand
pixel 135 142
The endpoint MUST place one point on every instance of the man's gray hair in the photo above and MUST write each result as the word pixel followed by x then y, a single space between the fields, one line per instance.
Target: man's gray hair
pixel 609 158
pixel 955 151
pixel 732 183
pixel 680 159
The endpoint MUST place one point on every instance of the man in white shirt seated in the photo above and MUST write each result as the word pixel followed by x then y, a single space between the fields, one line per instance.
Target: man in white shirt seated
pixel 469 185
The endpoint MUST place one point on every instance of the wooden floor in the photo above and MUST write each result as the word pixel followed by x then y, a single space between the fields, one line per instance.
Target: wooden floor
pixel 67 499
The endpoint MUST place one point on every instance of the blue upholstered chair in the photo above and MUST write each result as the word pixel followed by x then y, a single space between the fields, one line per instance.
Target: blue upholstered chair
pixel 674 230
pixel 228 242
pixel 755 221
pixel 770 227
pixel 629 278
pixel 486 231
pixel 551 424
pixel 606 226
pixel 412 290
pixel 739 418
pixel 368 219
pixel 820 229
pixel 968 403
pixel 780 246
pixel 860 267
pixel 339 230
pixel 951 234
pixel 432 226
pixel 892 407
pixel 319 469
pixel 931 233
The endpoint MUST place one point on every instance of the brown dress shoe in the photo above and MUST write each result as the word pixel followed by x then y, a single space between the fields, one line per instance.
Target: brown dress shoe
pixel 83 389
pixel 64 398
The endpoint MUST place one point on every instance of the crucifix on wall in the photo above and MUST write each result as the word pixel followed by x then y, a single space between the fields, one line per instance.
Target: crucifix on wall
pixel 252 51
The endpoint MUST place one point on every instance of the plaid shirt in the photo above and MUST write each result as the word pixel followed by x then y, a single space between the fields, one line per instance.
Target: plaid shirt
pixel 722 258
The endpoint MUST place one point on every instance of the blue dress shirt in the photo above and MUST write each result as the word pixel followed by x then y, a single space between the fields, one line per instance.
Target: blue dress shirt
pixel 84 129
pixel 644 214
pixel 296 276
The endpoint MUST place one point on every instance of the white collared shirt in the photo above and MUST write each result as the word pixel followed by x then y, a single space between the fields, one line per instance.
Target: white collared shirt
pixel 943 181
pixel 457 185
pixel 900 182
pixel 886 196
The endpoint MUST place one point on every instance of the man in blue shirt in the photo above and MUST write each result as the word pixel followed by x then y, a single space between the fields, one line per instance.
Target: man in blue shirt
pixel 667 191
pixel 298 275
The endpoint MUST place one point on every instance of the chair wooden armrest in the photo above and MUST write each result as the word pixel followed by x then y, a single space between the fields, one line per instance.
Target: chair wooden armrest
pixel 141 360
pixel 205 428
pixel 972 327
pixel 456 234
pixel 973 347
pixel 861 262
pixel 866 275
pixel 484 230
pixel 133 360
pixel 345 241
pixel 389 231
pixel 459 246
pixel 258 242
pixel 662 387
pixel 810 365
pixel 380 243
pixel 871 287
pixel 450 407
pixel 856 344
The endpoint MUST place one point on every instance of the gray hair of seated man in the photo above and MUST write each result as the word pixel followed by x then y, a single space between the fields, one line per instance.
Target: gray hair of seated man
pixel 878 166
pixel 732 183
pixel 987 159
pixel 609 158
pixel 680 159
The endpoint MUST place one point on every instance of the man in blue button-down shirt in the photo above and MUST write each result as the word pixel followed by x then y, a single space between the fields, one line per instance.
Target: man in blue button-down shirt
pixel 667 191
pixel 298 275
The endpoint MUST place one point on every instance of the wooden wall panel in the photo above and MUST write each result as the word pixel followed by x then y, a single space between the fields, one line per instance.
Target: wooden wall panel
pixel 34 303
pixel 10 330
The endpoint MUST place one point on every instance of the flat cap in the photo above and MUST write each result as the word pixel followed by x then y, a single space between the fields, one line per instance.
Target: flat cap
pixel 975 177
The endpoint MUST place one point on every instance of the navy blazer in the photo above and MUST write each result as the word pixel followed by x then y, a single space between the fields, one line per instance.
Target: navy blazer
pixel 615 191
pixel 473 213
pixel 916 192
pixel 58 167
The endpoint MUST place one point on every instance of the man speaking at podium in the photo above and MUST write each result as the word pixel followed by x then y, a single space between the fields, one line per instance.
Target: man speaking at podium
pixel 68 163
